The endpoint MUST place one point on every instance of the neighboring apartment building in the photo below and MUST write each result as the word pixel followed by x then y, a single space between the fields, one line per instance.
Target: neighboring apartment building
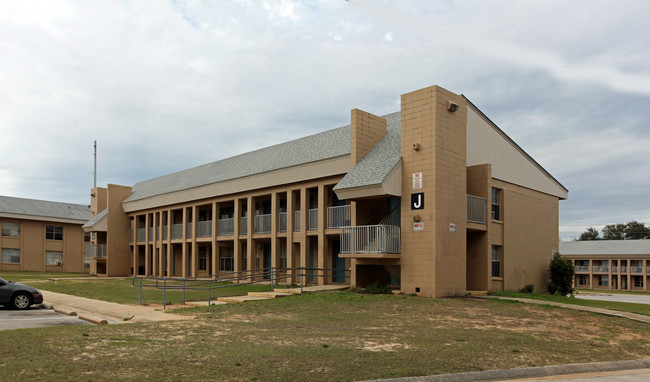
pixel 42 236
pixel 609 264
pixel 434 199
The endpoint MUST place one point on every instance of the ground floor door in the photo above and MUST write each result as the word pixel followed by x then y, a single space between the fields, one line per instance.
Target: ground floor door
pixel 338 263
pixel 266 260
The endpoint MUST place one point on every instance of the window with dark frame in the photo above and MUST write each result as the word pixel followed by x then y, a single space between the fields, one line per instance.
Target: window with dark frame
pixel 496 204
pixel 53 232
pixel 496 260
pixel 203 258
pixel 10 229
pixel 10 255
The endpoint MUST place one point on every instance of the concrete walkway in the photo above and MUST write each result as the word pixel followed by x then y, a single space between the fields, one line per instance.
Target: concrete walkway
pixel 608 312
pixel 102 312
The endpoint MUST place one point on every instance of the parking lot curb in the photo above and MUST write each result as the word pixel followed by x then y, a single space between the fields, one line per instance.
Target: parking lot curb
pixel 65 311
pixel 528 372
pixel 94 320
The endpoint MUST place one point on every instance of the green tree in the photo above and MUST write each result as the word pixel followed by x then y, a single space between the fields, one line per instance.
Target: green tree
pixel 635 231
pixel 590 234
pixel 560 272
pixel 614 231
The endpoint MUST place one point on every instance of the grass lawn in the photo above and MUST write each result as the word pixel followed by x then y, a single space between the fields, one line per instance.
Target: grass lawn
pixel 122 291
pixel 336 336
pixel 621 306
pixel 28 276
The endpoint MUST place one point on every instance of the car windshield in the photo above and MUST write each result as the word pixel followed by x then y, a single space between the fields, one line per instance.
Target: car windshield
pixel 4 281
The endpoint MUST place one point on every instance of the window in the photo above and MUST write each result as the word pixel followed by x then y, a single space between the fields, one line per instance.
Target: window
pixel 86 263
pixel 203 258
pixel 496 204
pixel 53 232
pixel 283 255
pixel 10 255
pixel 87 237
pixel 583 279
pixel 53 258
pixel 603 280
pixel 227 259
pixel 496 260
pixel 11 229
pixel 638 281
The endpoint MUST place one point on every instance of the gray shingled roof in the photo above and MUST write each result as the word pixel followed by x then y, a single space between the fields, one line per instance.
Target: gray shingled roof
pixel 45 209
pixel 317 147
pixel 605 247
pixel 373 168
pixel 96 219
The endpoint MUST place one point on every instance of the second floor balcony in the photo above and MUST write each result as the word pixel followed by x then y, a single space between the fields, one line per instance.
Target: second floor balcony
pixel 600 269
pixel 370 241
pixel 95 251
pixel 582 269
pixel 339 216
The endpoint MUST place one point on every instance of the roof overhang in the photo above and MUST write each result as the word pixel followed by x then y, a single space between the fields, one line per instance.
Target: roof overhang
pixel 40 218
pixel 390 186
pixel 99 223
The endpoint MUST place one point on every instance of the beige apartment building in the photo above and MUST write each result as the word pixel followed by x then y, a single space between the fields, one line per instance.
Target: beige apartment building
pixel 434 199
pixel 609 264
pixel 42 236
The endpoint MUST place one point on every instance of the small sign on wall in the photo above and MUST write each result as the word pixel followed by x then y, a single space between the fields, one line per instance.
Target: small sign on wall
pixel 452 227
pixel 417 180
pixel 417 201
pixel 418 226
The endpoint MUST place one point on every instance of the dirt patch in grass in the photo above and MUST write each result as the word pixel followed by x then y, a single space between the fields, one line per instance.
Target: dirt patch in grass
pixel 324 337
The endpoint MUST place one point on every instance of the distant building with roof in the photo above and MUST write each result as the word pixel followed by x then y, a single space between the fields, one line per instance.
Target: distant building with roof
pixel 609 264
pixel 434 199
pixel 42 236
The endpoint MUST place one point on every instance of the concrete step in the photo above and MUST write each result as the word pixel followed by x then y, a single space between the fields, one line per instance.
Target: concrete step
pixel 477 293
pixel 273 294
pixel 241 298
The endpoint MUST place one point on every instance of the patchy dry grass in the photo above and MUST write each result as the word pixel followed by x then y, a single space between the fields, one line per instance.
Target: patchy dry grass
pixel 323 337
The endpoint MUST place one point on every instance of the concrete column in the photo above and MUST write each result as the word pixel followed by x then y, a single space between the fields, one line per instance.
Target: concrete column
pixel 290 211
pixel 250 250
pixel 194 261
pixel 322 239
pixel 184 245
pixel 215 246
pixel 147 246
pixel 168 266
pixel 274 229
pixel 237 229
pixel 135 260
pixel 304 215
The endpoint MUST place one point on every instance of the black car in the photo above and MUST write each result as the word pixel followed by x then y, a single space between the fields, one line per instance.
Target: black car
pixel 18 296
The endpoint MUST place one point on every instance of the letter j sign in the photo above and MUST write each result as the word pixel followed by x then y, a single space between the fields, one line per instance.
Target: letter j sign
pixel 417 201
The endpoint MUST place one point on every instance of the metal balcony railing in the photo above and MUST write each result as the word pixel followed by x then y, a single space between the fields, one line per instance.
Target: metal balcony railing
pixel 614 269
pixel 95 251
pixel 177 231
pixel 475 209
pixel 141 234
pixel 296 221
pixel 380 239
pixel 204 228
pixel 600 268
pixel 262 224
pixel 164 235
pixel 226 227
pixel 623 268
pixel 243 226
pixel 189 230
pixel 313 219
pixel 636 269
pixel 582 269
pixel 282 222
pixel 338 216
pixel 150 233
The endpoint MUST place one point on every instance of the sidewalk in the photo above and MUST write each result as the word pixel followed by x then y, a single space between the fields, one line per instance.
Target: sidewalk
pixel 97 311
pixel 113 312
pixel 608 312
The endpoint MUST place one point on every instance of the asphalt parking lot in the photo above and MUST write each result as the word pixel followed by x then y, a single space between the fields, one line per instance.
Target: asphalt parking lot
pixel 35 317
pixel 604 296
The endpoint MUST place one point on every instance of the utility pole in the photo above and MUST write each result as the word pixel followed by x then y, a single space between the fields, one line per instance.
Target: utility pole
pixel 95 166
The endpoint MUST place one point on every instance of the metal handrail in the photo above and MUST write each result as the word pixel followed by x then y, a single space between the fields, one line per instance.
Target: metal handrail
pixel 208 282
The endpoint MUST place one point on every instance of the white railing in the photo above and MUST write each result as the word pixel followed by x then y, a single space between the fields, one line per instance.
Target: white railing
pixel 282 222
pixel 130 236
pixel 95 251
pixel 313 219
pixel 475 209
pixel 141 234
pixel 582 268
pixel 150 233
pixel 601 268
pixel 648 270
pixel 636 269
pixel 623 268
pixel 165 232
pixel 226 227
pixel 189 230
pixel 296 221
pixel 262 224
pixel 614 268
pixel 204 229
pixel 338 216
pixel 370 239
pixel 243 226
pixel 177 231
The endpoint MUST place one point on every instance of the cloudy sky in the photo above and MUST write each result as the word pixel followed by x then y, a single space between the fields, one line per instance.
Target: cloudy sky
pixel 167 85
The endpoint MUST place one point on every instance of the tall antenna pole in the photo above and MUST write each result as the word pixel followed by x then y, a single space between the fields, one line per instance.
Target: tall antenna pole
pixel 95 166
